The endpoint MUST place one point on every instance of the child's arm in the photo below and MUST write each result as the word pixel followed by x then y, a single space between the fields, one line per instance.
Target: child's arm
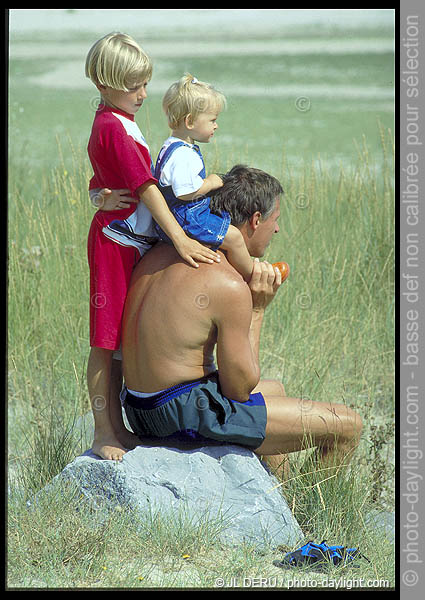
pixel 190 250
pixel 237 252
pixel 212 182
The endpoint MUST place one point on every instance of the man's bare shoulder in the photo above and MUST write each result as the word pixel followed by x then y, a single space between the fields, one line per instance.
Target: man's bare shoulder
pixel 220 280
pixel 225 284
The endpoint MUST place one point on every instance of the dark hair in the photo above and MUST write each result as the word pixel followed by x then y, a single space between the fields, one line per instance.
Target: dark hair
pixel 246 190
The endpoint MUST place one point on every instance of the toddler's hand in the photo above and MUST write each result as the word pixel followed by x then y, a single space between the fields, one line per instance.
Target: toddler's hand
pixel 216 182
pixel 191 251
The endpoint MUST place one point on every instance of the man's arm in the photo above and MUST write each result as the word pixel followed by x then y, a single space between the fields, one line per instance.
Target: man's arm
pixel 238 367
pixel 239 320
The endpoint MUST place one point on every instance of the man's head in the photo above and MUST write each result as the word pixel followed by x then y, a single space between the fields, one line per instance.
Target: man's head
pixel 251 197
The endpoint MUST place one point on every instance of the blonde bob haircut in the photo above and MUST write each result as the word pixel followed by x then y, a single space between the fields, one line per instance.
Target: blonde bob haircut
pixel 190 97
pixel 118 62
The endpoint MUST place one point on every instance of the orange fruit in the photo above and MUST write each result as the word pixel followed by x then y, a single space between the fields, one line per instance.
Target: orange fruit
pixel 283 268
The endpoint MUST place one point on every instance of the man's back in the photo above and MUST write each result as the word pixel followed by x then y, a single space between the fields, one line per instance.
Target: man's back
pixel 169 330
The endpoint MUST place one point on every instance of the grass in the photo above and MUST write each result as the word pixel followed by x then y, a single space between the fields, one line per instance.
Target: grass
pixel 328 335
pixel 60 542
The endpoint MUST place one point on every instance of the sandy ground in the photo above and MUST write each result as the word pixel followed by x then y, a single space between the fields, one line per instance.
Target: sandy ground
pixel 199 22
pixel 69 72
pixel 223 33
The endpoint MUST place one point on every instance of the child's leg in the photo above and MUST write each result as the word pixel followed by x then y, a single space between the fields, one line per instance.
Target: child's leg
pixel 127 438
pixel 237 252
pixel 99 371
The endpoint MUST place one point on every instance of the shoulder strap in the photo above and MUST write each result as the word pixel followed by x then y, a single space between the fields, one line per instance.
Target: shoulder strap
pixel 164 156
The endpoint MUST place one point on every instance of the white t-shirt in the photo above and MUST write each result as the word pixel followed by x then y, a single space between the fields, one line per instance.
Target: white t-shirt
pixel 181 171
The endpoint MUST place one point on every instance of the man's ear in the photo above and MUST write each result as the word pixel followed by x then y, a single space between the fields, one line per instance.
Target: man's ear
pixel 255 220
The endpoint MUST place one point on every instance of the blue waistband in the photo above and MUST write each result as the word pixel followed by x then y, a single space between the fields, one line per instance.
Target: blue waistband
pixel 165 396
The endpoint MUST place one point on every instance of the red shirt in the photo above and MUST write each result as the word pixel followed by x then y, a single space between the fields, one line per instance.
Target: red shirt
pixel 119 155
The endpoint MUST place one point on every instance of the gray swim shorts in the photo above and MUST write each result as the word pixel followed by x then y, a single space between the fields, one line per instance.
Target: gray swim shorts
pixel 197 411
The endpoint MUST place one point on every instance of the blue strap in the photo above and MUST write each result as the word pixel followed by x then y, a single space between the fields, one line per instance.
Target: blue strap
pixel 160 162
pixel 164 157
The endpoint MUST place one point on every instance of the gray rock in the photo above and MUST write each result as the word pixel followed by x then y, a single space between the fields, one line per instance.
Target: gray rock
pixel 224 484
pixel 383 522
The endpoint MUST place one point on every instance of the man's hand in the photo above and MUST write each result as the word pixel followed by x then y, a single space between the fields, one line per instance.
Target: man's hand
pixel 106 199
pixel 265 281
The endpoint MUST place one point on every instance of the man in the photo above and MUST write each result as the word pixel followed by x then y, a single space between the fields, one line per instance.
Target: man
pixel 176 316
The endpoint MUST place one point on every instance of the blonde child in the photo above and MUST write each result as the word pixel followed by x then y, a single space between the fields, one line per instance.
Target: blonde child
pixel 192 108
pixel 119 236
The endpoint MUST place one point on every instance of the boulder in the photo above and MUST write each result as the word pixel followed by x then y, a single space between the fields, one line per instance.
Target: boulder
pixel 383 522
pixel 222 484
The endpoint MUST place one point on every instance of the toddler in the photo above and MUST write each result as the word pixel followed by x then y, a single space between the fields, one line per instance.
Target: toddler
pixel 192 108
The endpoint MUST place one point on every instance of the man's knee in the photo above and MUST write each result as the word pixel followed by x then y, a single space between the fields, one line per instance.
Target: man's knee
pixel 270 387
pixel 280 390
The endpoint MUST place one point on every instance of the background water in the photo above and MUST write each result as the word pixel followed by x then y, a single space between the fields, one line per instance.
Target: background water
pixel 306 85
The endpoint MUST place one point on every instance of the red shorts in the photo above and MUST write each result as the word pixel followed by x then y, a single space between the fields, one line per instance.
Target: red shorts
pixel 111 266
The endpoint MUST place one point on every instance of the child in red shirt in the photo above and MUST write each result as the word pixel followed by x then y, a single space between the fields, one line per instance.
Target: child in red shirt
pixel 120 158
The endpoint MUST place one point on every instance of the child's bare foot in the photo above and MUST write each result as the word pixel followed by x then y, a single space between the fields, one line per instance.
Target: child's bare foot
pixel 108 448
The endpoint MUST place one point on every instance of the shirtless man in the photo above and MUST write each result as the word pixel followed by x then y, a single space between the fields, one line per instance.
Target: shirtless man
pixel 175 316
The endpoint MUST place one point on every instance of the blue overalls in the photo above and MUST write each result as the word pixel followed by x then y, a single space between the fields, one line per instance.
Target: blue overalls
pixel 194 217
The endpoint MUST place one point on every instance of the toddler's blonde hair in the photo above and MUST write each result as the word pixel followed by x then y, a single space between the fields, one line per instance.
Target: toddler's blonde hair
pixel 117 61
pixel 189 96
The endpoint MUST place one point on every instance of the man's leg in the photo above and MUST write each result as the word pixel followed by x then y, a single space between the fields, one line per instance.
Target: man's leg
pixel 278 463
pixel 295 424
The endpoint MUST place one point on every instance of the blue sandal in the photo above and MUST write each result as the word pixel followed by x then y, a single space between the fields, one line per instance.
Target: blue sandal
pixel 320 556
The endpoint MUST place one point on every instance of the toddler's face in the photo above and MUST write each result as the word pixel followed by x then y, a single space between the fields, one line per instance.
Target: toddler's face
pixel 130 102
pixel 204 126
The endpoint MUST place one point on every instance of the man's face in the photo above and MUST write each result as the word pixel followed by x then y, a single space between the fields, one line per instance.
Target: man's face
pixel 262 236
